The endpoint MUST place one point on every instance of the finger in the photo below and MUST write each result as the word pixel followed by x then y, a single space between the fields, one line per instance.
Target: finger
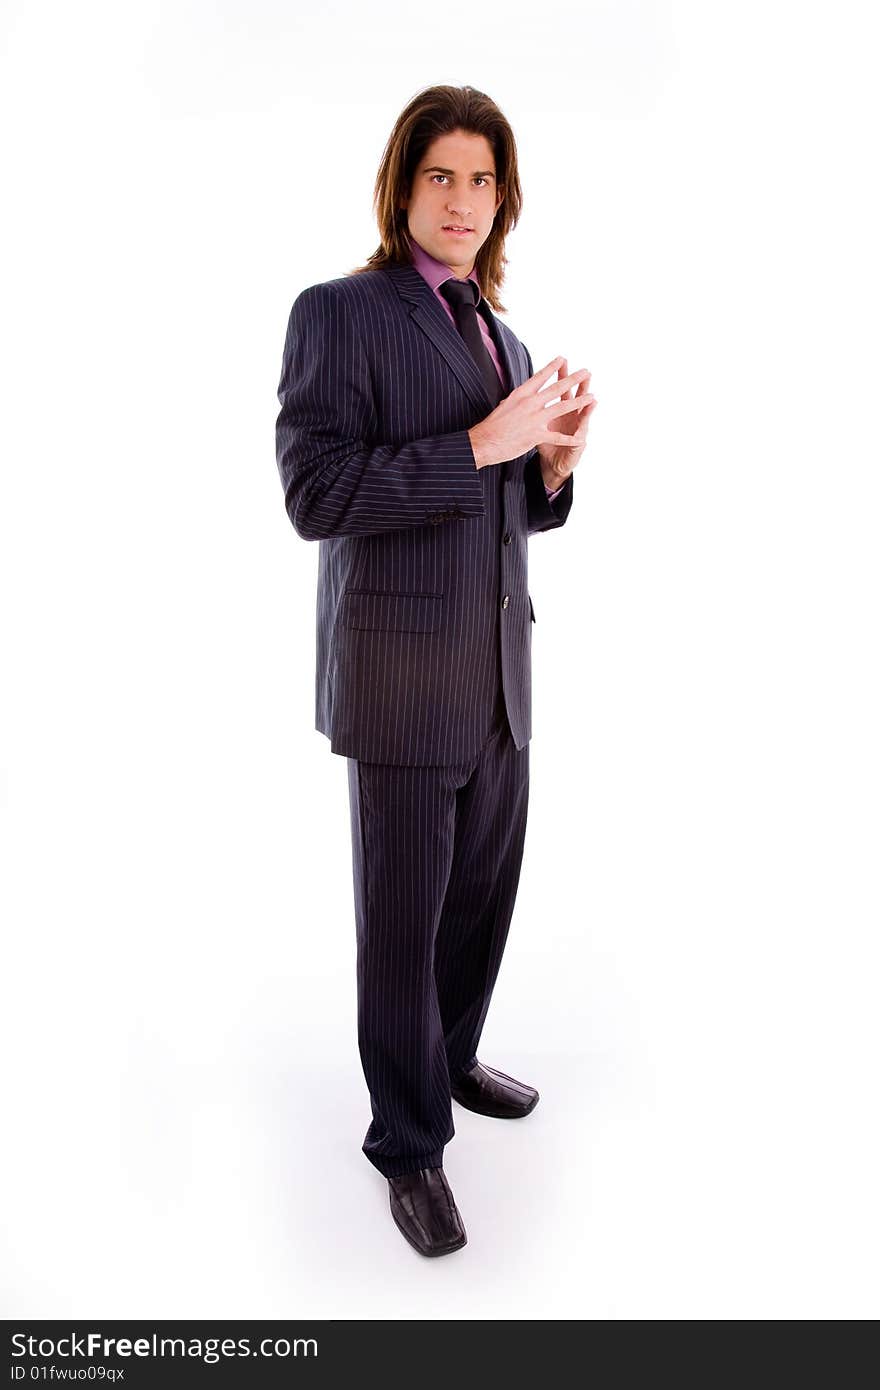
pixel 545 373
pixel 563 372
pixel 565 407
pixel 582 386
pixel 571 441
pixel 564 383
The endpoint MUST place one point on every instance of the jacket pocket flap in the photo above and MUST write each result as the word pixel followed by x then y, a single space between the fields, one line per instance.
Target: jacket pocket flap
pixel 391 612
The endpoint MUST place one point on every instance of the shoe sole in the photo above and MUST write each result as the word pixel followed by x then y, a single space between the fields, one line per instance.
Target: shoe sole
pixel 496 1114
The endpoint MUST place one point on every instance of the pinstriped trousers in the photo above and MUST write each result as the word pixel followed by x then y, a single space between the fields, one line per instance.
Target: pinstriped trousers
pixel 436 857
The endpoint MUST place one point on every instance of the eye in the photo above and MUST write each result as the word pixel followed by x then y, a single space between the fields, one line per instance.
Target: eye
pixel 443 176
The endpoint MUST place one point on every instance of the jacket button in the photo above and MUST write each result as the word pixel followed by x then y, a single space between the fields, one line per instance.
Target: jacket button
pixel 507 539
pixel 505 601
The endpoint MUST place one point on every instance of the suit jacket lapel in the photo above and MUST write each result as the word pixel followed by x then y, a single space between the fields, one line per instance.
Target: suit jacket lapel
pixel 434 322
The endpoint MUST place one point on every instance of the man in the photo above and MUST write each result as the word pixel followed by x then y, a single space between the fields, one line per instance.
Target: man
pixel 418 446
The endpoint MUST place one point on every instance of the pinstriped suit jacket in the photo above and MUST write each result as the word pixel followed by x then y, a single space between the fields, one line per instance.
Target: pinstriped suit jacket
pixel 423 600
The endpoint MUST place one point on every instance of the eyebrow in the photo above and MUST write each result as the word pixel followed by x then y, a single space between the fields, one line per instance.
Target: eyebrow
pixel 477 174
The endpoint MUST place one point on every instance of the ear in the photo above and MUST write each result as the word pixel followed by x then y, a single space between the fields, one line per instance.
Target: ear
pixel 500 198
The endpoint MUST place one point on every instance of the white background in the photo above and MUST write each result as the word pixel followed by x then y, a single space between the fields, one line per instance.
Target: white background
pixel 691 974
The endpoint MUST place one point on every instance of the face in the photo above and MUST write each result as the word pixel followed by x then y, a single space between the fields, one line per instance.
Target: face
pixel 454 185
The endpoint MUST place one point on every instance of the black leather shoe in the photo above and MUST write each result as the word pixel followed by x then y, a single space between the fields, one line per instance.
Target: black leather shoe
pixel 424 1209
pixel 490 1092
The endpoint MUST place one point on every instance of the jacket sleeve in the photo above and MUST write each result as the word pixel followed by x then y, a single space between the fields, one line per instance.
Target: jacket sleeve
pixel 337 479
pixel 543 514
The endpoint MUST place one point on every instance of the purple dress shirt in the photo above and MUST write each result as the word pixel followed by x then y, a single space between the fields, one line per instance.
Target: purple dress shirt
pixel 435 273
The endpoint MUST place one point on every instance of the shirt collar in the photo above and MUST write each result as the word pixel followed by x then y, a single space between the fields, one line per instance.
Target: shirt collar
pixel 434 271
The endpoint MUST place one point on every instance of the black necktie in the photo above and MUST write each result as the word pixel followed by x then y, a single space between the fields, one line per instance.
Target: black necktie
pixel 461 296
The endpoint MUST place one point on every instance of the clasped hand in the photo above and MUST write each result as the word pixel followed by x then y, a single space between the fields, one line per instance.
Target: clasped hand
pixel 554 418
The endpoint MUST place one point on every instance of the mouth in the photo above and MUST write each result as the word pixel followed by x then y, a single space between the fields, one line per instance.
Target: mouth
pixel 458 231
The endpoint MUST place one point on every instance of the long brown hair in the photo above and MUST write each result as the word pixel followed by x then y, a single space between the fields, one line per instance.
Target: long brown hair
pixel 437 111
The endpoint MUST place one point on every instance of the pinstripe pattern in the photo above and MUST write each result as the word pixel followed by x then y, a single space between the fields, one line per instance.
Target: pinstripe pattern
pixel 436 273
pixel 423 612
pixel 436 855
pixel 423 676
